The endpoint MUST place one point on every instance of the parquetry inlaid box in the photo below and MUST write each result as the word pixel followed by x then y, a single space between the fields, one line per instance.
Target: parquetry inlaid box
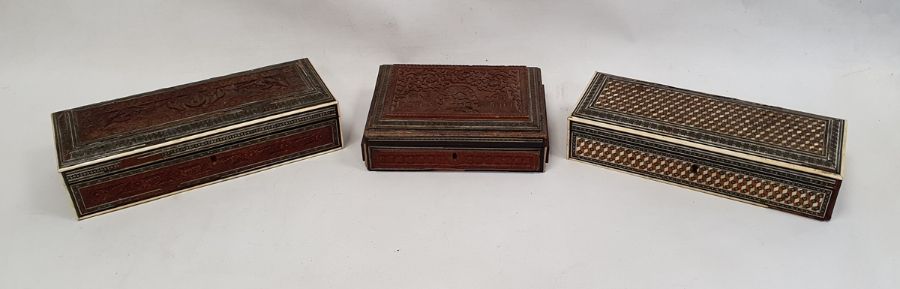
pixel 768 156
pixel 445 117
pixel 134 149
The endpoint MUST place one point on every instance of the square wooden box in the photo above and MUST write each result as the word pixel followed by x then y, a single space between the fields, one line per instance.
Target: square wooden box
pixel 763 155
pixel 135 149
pixel 447 117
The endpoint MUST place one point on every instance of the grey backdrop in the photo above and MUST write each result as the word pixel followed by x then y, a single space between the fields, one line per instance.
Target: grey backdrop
pixel 329 223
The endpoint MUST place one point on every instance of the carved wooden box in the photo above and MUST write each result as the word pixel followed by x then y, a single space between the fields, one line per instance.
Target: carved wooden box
pixel 135 149
pixel 763 155
pixel 446 117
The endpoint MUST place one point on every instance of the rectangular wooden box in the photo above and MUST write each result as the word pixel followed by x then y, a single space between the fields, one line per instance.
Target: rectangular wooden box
pixel 450 117
pixel 135 149
pixel 763 155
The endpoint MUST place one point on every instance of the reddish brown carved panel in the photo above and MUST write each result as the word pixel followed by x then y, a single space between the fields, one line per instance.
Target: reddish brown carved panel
pixel 455 159
pixel 457 92
pixel 165 106
pixel 182 175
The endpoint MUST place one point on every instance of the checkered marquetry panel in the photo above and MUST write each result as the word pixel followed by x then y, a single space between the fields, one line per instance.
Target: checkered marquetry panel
pixel 750 122
pixel 727 182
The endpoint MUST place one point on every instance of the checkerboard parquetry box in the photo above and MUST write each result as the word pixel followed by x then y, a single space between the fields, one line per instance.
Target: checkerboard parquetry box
pixel 768 156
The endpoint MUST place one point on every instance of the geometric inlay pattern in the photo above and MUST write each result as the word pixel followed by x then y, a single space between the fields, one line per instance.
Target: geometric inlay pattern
pixel 750 122
pixel 758 190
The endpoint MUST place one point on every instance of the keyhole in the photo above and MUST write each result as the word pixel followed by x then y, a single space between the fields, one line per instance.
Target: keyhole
pixel 454 156
pixel 695 169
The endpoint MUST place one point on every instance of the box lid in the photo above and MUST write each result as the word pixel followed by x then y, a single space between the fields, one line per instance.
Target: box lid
pixel 428 101
pixel 129 125
pixel 772 135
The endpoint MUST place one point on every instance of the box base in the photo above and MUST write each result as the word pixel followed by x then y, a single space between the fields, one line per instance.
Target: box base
pixel 759 184
pixel 519 155
pixel 455 159
pixel 127 188
pixel 208 184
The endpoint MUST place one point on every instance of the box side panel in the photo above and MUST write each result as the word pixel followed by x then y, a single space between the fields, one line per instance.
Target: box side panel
pixel 455 156
pixel 768 186
pixel 412 159
pixel 834 196
pixel 541 113
pixel 151 181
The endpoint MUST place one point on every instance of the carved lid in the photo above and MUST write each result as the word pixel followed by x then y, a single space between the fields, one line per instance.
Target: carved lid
pixel 775 135
pixel 108 129
pixel 454 100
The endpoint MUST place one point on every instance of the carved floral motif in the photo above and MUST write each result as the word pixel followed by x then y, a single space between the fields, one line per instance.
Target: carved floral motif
pixel 172 105
pixel 457 92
